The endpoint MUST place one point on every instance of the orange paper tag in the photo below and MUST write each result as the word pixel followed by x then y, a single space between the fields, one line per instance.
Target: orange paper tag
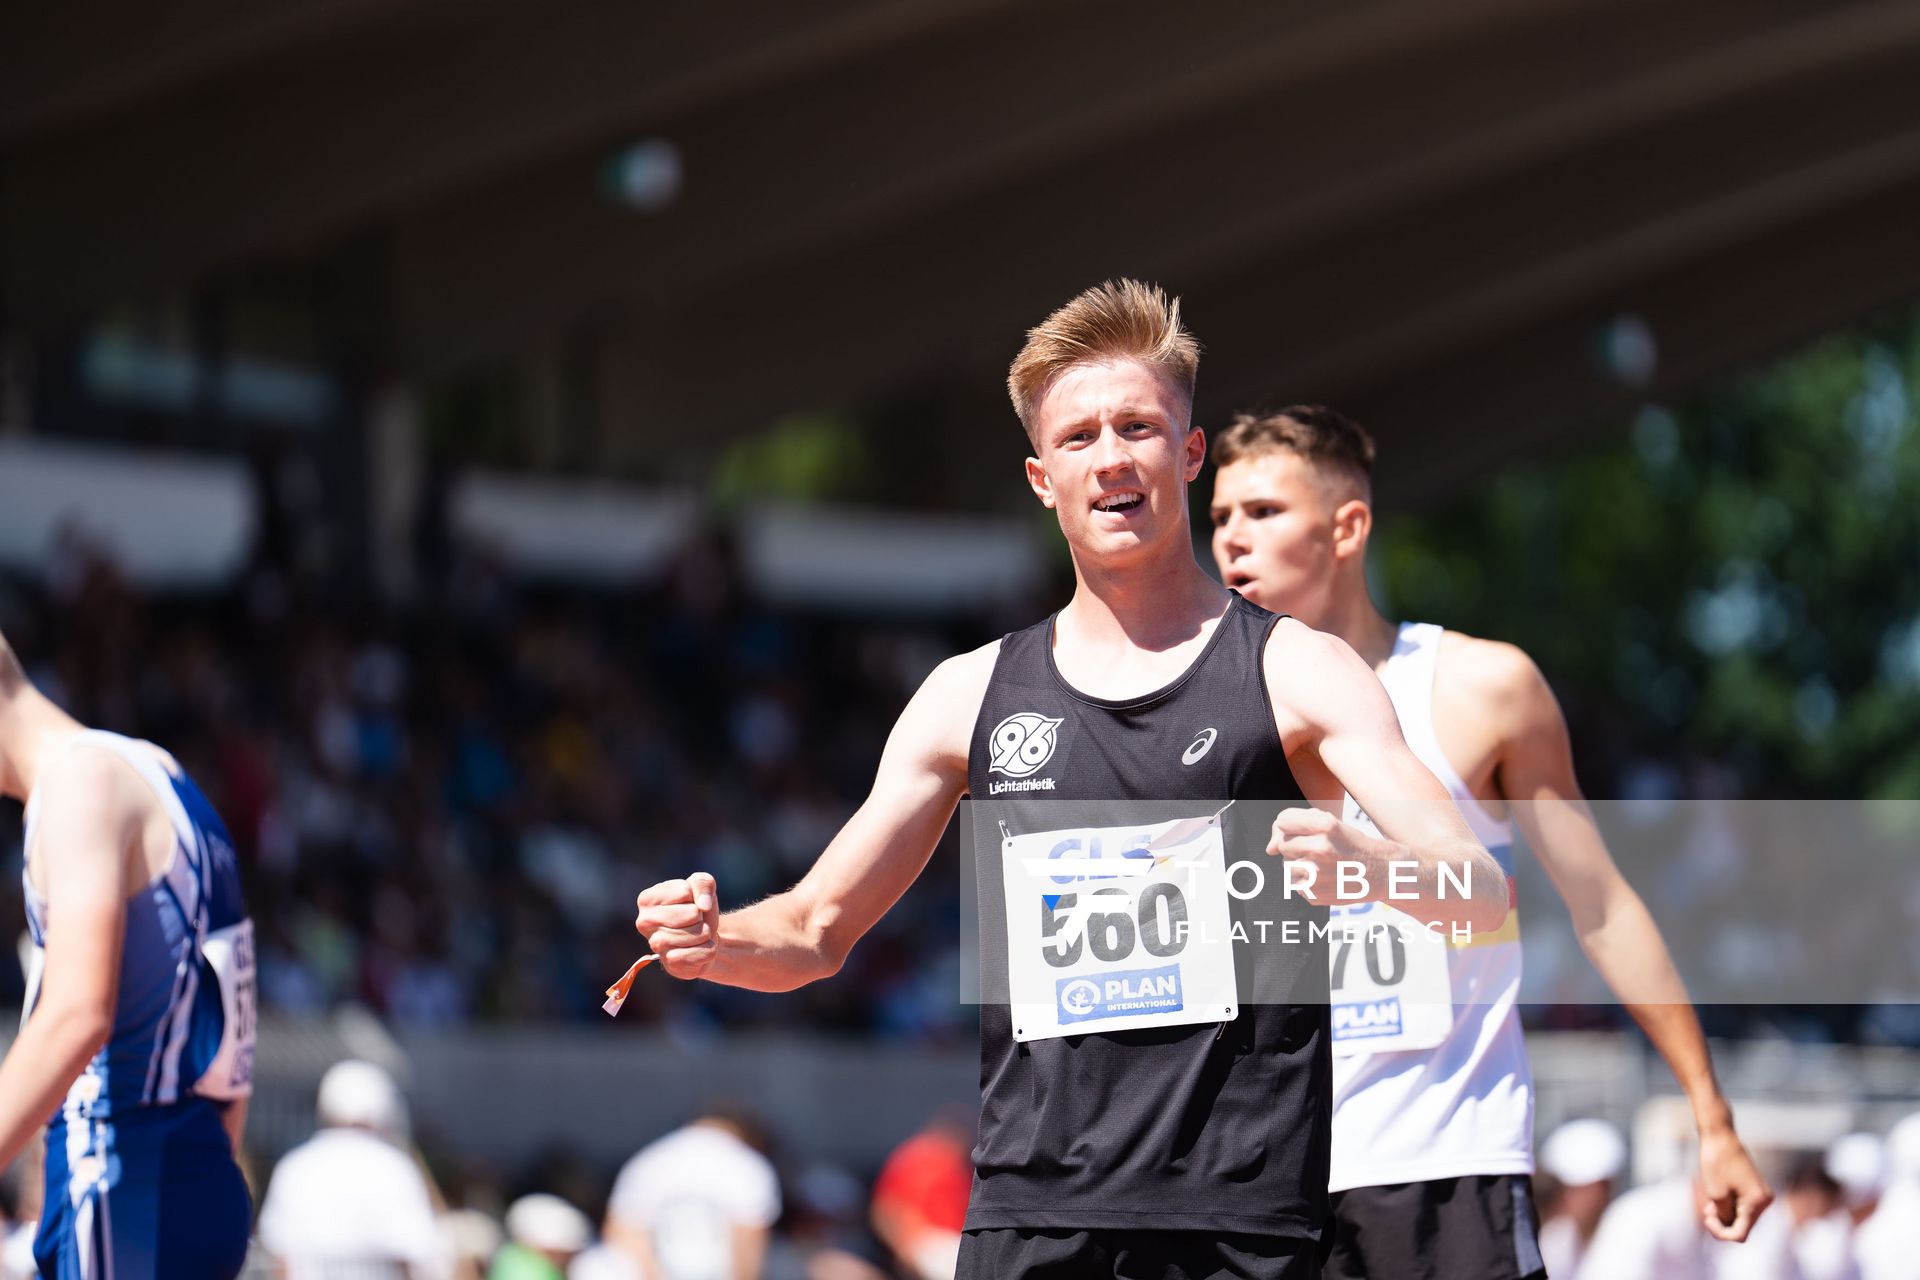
pixel 617 993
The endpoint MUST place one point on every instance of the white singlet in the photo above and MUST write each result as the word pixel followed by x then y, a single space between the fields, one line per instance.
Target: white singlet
pixel 1463 1107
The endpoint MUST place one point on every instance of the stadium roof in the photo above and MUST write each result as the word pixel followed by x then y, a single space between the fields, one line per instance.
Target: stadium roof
pixel 1433 212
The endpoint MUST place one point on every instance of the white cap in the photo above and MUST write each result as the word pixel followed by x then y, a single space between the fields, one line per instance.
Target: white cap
pixel 1858 1162
pixel 549 1224
pixel 1903 1149
pixel 361 1095
pixel 1584 1151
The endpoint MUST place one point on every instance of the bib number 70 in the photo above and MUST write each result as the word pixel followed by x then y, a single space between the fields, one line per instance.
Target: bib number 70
pixel 1386 970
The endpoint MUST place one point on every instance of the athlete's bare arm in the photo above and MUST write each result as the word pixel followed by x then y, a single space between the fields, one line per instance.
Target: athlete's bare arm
pixel 1534 773
pixel 1340 733
pixel 804 934
pixel 91 821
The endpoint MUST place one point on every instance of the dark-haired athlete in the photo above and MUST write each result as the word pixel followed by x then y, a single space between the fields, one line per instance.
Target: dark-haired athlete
pixel 1433 1117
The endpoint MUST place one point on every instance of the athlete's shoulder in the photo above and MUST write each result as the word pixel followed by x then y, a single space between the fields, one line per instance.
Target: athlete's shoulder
pixel 964 674
pixel 1315 681
pixel 1492 676
pixel 81 768
pixel 939 719
pixel 90 804
pixel 1295 646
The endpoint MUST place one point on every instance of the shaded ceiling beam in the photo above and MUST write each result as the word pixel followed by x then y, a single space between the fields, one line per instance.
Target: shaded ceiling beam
pixel 284 151
pixel 796 170
pixel 1537 390
pixel 1589 270
pixel 1822 43
pixel 1254 171
pixel 77 58
pixel 1384 291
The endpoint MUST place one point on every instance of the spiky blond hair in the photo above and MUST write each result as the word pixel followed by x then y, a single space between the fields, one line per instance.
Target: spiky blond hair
pixel 1120 319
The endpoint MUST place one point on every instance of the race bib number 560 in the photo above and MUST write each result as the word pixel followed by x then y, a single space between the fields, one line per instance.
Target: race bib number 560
pixel 1110 928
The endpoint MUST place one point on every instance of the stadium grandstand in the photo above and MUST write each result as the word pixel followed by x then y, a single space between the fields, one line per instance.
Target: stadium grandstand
pixel 511 454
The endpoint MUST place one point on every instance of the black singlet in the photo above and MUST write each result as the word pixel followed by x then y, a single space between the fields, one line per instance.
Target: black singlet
pixel 1208 1126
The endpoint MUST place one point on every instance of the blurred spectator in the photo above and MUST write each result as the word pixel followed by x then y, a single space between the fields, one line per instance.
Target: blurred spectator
pixel 544 1235
pixel 822 1236
pixel 471 1237
pixel 1650 1232
pixel 1583 1158
pixel 603 1261
pixel 1888 1243
pixel 697 1204
pixel 350 1201
pixel 1658 1232
pixel 920 1199
pixel 1857 1162
pixel 1813 1205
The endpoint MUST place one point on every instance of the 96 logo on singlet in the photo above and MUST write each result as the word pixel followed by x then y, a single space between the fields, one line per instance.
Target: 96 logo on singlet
pixel 1019 747
pixel 1110 928
pixel 1022 743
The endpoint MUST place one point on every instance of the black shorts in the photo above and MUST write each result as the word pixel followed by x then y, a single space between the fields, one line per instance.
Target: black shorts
pixel 1037 1254
pixel 1476 1228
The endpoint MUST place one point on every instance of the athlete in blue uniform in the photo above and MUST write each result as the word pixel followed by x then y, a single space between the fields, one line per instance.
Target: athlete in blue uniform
pixel 138 1034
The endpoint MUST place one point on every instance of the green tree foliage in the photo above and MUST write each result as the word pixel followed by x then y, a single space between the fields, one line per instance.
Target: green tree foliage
pixel 1736 579
pixel 816 457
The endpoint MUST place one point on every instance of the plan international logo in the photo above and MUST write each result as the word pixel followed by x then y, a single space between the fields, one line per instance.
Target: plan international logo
pixel 1367 1019
pixel 1124 991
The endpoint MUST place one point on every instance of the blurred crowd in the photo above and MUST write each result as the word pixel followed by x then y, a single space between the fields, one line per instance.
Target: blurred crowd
pixel 1848 1212
pixel 714 1199
pixel 717 1199
pixel 444 811
pixel 706 1201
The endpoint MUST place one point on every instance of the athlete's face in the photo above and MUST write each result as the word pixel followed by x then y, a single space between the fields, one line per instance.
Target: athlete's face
pixel 1282 528
pixel 1115 452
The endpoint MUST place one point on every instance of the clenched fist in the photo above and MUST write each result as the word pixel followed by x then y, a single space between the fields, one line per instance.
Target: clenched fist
pixel 680 919
pixel 1323 842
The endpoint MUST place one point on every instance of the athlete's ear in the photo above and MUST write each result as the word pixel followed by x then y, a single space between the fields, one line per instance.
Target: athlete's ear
pixel 1352 524
pixel 1040 482
pixel 1196 453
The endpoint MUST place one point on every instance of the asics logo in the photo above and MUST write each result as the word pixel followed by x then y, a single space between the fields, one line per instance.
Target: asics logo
pixel 1022 743
pixel 1199 746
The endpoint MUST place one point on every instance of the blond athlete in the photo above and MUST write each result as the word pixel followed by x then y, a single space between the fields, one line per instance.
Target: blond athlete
pixel 1432 1134
pixel 1128 1127
pixel 137 1049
